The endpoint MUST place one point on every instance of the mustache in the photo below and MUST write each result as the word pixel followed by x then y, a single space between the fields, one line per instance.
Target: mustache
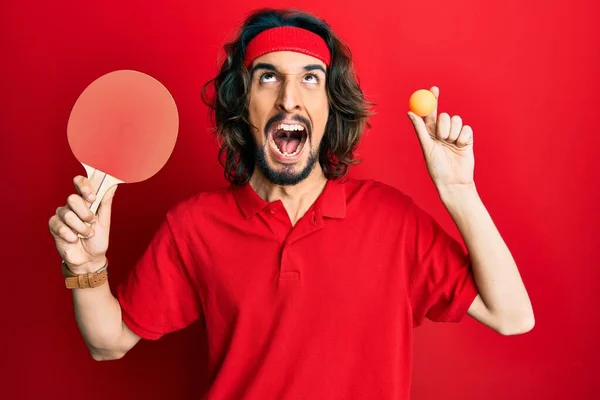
pixel 281 116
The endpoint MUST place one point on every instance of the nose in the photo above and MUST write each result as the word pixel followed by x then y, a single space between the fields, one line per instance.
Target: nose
pixel 289 97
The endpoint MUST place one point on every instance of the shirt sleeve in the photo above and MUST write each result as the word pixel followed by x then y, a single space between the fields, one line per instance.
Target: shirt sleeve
pixel 158 296
pixel 440 282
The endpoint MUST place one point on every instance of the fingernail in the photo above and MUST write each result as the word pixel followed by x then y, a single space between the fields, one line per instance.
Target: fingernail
pixel 91 234
pixel 90 197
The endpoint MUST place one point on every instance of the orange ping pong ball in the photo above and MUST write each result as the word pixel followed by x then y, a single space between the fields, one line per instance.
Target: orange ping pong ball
pixel 422 102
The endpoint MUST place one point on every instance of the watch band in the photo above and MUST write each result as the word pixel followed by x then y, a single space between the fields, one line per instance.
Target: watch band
pixel 84 281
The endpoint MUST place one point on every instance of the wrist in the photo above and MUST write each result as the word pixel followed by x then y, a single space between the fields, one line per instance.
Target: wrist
pixel 453 195
pixel 90 266
pixel 88 275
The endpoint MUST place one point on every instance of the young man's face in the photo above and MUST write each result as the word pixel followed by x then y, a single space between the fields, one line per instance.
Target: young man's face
pixel 289 106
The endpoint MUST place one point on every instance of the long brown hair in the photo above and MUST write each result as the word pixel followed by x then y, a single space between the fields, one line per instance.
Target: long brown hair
pixel 348 109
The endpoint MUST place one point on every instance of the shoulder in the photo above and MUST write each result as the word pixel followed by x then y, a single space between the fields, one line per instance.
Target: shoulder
pixel 374 194
pixel 200 206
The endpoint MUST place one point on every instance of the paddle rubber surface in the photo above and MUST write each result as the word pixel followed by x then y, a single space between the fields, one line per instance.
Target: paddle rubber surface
pixel 125 124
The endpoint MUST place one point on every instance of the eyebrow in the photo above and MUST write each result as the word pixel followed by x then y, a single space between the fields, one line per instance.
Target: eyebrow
pixel 271 67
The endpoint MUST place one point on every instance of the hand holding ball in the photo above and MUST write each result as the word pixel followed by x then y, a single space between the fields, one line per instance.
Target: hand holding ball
pixel 422 102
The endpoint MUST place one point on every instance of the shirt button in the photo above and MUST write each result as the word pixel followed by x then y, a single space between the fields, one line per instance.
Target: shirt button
pixel 272 210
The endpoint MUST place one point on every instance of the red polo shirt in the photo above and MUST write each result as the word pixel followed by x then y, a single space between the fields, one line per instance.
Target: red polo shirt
pixel 321 310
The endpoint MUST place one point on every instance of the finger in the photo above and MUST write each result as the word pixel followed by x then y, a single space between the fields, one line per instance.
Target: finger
pixel 81 208
pixel 84 188
pixel 420 129
pixel 69 218
pixel 76 224
pixel 432 117
pixel 61 230
pixel 442 129
pixel 466 136
pixel 105 208
pixel 455 128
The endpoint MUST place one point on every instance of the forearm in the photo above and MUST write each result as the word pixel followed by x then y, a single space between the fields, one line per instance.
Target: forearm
pixel 495 271
pixel 98 315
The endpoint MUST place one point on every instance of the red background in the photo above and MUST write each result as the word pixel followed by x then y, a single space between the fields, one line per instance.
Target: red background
pixel 522 74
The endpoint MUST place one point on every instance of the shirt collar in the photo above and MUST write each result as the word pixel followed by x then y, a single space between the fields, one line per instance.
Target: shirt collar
pixel 331 202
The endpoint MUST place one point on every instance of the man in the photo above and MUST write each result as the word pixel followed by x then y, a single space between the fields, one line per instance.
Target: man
pixel 309 283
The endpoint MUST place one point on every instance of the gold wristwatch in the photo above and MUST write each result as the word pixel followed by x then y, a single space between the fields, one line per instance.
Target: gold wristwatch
pixel 84 281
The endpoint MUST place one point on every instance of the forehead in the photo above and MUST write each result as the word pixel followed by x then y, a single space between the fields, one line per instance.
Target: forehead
pixel 288 61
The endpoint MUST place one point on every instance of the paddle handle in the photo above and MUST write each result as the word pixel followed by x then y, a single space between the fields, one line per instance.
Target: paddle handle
pixel 101 182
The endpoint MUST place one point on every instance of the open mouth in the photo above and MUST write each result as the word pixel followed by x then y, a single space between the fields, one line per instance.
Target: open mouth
pixel 288 139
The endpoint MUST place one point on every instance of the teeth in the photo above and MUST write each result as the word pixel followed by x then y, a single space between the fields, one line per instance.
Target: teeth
pixel 290 127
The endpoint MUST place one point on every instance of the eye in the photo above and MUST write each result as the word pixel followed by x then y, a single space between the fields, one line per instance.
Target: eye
pixel 311 78
pixel 267 77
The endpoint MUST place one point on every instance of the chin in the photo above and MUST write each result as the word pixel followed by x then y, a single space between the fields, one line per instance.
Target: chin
pixel 287 173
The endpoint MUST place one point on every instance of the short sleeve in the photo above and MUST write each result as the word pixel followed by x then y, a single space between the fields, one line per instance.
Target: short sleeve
pixel 440 282
pixel 158 296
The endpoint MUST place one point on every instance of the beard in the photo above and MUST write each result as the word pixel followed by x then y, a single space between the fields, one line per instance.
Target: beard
pixel 285 176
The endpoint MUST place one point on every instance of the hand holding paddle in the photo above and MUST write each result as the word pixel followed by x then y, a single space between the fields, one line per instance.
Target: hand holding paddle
pixel 122 129
pixel 81 237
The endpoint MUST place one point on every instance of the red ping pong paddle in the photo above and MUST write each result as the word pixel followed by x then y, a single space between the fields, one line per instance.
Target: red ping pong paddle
pixel 122 129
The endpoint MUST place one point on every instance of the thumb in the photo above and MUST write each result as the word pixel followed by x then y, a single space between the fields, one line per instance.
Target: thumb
pixel 104 210
pixel 421 130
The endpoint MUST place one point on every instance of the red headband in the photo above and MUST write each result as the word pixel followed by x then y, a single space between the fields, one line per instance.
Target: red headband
pixel 287 38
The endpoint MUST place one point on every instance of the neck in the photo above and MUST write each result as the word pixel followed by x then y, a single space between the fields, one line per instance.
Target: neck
pixel 297 199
